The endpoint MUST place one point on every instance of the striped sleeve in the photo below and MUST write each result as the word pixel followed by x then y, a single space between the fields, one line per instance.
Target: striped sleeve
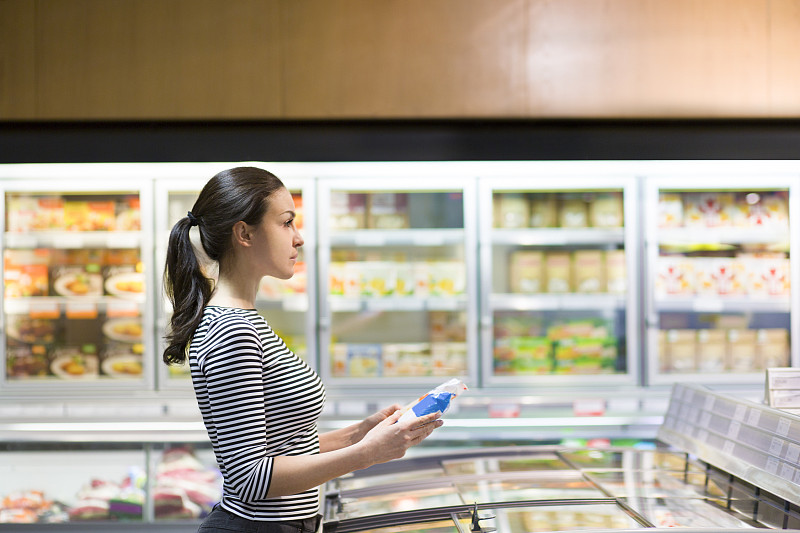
pixel 231 362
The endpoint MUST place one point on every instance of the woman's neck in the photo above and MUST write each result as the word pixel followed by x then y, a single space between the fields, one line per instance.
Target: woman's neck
pixel 229 294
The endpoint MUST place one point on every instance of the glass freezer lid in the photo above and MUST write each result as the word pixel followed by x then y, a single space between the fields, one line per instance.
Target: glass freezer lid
pixel 534 488
pixel 686 512
pixel 630 459
pixel 363 481
pixel 548 461
pixel 405 500
pixel 576 517
pixel 656 484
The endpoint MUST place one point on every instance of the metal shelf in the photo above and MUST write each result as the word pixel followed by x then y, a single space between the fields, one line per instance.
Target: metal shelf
pixel 544 302
pixel 401 237
pixel 558 236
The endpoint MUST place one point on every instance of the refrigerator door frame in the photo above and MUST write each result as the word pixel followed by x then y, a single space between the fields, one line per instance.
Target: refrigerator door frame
pixel 396 177
pixel 72 178
pixel 180 180
pixel 724 177
pixel 567 178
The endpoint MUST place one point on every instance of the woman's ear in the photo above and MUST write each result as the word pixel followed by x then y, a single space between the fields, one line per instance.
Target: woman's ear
pixel 241 233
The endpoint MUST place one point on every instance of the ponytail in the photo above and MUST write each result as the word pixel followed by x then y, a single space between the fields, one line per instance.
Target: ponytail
pixel 188 290
pixel 240 193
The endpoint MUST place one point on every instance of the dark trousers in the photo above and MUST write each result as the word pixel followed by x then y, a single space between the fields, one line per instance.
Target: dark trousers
pixel 220 520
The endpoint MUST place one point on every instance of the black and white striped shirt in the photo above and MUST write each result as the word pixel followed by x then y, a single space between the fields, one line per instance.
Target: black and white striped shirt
pixel 258 401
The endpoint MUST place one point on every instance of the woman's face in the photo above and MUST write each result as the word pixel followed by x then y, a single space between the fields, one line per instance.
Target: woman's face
pixel 277 239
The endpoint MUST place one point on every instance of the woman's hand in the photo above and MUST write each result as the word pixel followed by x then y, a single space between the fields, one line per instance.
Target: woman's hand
pixel 390 439
pixel 373 420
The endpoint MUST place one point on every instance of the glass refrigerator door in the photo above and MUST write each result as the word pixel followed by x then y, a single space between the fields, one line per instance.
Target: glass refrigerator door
pixel 558 284
pixel 288 305
pixel 75 276
pixel 396 262
pixel 720 293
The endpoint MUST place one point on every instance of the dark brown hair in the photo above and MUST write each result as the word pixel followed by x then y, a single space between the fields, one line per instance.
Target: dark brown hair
pixel 232 195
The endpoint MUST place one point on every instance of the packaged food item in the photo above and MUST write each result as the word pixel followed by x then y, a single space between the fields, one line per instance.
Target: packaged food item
pixel 558 272
pixel 348 210
pixel 712 350
pixel 766 275
pixel 378 279
pixel 530 355
pixel 773 348
pixel 511 210
pixel 708 209
pixel 674 276
pixel 616 272
pixel 447 278
pixel 768 210
pixel 363 360
pixel 405 280
pixel 339 359
pixel 128 214
pixel 606 211
pixel 670 210
pixel 544 210
pixel 588 271
pixel 299 218
pixel 90 215
pixel 526 271
pixel 437 399
pixel 682 350
pixel 742 350
pixel 448 358
pixel 573 212
pixel 388 210
pixel 718 276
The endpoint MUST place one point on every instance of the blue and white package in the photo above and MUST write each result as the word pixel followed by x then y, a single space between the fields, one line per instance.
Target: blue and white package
pixel 435 400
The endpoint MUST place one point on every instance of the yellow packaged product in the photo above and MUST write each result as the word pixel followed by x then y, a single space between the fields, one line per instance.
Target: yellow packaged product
pixel 616 272
pixel 588 271
pixel 512 210
pixel 543 210
pixel 526 271
pixel 388 210
pixel 682 350
pixel 712 350
pixel 742 350
pixel 558 272
pixel 573 212
pixel 605 210
pixel 348 210
pixel 670 210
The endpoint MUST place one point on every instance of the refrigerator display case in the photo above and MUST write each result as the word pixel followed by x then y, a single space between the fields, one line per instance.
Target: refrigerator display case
pixel 719 463
pixel 396 265
pixel 76 271
pixel 558 284
pixel 528 489
pixel 288 305
pixel 722 297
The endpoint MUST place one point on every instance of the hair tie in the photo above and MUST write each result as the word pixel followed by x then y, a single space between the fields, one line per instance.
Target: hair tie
pixel 193 221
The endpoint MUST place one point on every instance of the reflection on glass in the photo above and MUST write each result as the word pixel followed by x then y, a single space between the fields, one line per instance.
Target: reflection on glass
pixel 559 518
pixel 358 482
pixel 630 459
pixel 656 484
pixel 506 464
pixel 544 488
pixel 400 501
pixel 438 526
pixel 685 512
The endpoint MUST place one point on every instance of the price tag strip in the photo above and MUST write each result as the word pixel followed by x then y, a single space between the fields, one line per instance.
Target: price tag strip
pixel 755 442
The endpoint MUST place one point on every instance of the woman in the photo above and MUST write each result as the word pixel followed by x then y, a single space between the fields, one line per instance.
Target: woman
pixel 260 403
